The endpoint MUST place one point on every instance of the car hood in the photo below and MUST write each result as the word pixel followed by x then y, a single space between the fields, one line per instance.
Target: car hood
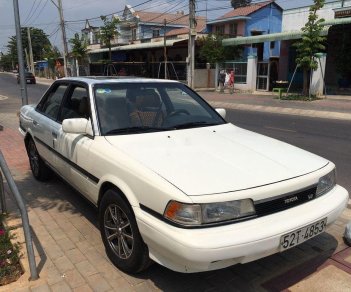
pixel 218 159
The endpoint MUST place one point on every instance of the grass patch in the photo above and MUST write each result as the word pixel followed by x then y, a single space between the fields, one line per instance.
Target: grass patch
pixel 10 267
pixel 299 97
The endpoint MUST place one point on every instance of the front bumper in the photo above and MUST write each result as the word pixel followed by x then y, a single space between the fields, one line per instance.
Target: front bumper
pixel 204 249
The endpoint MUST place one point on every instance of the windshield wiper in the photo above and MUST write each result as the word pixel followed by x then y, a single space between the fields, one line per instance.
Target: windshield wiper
pixel 139 129
pixel 194 125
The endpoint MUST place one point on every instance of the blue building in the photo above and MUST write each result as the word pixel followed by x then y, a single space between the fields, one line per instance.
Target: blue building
pixel 253 20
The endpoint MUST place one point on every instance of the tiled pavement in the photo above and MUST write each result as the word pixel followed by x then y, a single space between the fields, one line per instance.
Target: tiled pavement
pixel 70 254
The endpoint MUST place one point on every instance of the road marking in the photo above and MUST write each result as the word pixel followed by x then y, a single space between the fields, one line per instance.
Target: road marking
pixel 2 97
pixel 280 129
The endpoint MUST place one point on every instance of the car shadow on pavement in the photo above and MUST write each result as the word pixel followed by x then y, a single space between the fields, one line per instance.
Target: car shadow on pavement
pixel 56 202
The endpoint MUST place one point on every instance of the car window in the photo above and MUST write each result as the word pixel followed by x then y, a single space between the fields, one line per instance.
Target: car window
pixel 76 105
pixel 181 100
pixel 51 104
pixel 125 108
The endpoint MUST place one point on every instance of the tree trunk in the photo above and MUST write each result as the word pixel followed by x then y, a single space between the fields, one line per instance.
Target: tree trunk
pixel 109 53
pixel 77 67
pixel 305 82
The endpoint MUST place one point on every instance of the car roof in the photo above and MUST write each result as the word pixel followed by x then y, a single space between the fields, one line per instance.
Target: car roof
pixel 116 79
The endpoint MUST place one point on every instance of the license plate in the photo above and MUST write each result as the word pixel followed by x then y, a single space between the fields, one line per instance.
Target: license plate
pixel 28 81
pixel 298 236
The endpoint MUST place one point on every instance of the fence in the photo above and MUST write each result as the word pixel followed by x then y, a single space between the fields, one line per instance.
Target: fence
pixel 239 68
pixel 25 220
pixel 175 70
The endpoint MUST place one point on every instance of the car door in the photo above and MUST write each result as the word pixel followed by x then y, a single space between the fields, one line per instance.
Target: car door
pixel 45 121
pixel 73 158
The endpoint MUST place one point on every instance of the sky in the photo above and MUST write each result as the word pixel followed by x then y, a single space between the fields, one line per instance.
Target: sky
pixel 44 15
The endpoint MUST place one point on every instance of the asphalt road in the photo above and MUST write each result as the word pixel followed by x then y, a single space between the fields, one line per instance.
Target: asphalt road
pixel 326 137
pixel 10 88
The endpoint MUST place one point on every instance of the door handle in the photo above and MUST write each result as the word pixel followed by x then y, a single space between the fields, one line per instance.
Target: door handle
pixel 54 134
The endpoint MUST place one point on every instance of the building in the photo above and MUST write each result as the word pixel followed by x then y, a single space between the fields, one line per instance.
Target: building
pixel 142 40
pixel 294 17
pixel 141 36
pixel 253 20
pixel 337 16
pixel 91 34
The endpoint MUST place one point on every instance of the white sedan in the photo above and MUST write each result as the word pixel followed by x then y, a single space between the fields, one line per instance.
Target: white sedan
pixel 172 180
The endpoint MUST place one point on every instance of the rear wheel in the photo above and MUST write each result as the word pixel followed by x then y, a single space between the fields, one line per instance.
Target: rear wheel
pixel 120 234
pixel 39 168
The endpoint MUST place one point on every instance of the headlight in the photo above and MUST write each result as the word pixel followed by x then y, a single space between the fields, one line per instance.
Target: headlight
pixel 217 212
pixel 326 183
pixel 197 214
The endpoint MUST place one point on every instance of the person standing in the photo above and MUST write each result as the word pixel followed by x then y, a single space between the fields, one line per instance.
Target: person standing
pixel 221 80
pixel 231 82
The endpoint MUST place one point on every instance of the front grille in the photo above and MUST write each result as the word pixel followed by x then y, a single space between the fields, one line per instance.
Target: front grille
pixel 285 202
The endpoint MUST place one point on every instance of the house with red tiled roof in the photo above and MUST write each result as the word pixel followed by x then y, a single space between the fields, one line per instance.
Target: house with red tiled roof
pixel 256 19
pixel 146 26
pixel 142 39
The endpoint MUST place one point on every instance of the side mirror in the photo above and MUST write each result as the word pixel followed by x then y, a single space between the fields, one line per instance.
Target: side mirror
pixel 77 126
pixel 222 112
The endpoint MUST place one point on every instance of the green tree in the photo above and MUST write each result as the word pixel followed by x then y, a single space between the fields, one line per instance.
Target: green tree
pixel 310 43
pixel 213 50
pixel 6 62
pixel 79 48
pixel 40 43
pixel 52 54
pixel 240 3
pixel 108 32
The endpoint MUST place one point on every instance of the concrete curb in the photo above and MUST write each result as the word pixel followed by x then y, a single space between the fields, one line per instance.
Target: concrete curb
pixel 284 110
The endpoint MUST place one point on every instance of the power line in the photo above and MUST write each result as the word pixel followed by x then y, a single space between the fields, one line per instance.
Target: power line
pixel 30 11
pixel 110 14
pixel 41 10
pixel 34 11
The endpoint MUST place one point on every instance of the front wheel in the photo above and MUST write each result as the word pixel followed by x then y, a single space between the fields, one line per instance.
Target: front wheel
pixel 120 234
pixel 39 169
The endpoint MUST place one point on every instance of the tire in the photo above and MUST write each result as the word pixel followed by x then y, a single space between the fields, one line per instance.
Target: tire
pixel 120 234
pixel 39 169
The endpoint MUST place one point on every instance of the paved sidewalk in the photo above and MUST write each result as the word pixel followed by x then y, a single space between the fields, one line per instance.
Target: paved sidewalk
pixel 331 107
pixel 70 254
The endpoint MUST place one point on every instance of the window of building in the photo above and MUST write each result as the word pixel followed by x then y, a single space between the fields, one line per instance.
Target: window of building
pixel 272 45
pixel 134 34
pixel 233 29
pixel 220 29
pixel 155 33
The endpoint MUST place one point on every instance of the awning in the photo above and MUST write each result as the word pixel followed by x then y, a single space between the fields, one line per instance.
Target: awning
pixel 223 20
pixel 280 36
pixel 169 43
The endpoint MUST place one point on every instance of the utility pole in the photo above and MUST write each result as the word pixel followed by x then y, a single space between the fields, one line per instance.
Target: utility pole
pixel 65 48
pixel 164 46
pixel 191 43
pixel 27 57
pixel 31 64
pixel 63 30
pixel 23 83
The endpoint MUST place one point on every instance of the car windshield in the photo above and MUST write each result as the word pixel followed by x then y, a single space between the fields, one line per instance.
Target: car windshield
pixel 127 108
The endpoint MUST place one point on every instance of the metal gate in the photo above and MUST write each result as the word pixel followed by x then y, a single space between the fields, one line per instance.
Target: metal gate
pixel 262 76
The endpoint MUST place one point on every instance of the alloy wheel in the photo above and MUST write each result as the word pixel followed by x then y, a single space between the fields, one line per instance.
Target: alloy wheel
pixel 33 158
pixel 118 231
